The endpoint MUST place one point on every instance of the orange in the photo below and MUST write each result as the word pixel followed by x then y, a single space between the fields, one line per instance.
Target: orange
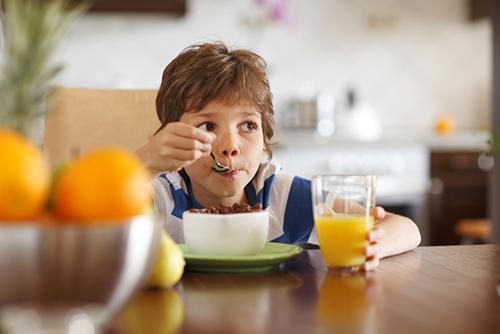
pixel 444 125
pixel 24 178
pixel 103 185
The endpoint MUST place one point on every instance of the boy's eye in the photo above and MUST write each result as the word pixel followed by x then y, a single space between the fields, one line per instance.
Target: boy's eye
pixel 250 126
pixel 207 126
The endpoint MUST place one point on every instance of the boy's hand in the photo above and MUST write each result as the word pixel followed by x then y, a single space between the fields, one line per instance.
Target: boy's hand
pixel 372 250
pixel 176 146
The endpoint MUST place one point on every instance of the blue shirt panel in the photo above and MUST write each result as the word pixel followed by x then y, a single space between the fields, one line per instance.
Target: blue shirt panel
pixel 299 221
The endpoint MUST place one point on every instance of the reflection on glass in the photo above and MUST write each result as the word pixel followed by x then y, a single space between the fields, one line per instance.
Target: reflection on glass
pixel 344 304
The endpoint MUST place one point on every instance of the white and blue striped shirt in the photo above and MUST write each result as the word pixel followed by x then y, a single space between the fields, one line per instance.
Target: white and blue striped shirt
pixel 286 198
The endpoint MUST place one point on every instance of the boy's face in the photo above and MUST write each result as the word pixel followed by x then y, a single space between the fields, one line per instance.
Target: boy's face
pixel 239 144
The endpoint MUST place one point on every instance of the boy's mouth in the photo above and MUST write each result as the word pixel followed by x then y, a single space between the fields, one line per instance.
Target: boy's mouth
pixel 231 174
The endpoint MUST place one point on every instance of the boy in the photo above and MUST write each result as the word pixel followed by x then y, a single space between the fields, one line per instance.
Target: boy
pixel 213 99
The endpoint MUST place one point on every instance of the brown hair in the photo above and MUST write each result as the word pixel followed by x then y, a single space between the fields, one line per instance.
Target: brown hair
pixel 204 72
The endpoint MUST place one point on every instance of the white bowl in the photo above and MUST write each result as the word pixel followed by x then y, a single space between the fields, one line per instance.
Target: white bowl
pixel 232 234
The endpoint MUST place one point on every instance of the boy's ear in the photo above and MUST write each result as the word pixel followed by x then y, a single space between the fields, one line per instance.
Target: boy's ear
pixel 265 156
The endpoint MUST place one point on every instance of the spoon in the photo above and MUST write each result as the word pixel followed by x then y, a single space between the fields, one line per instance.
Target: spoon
pixel 217 167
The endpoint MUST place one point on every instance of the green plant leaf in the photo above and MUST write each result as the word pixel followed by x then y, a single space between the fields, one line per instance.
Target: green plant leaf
pixel 32 31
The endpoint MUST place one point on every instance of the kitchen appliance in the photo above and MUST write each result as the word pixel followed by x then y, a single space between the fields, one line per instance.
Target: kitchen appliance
pixel 310 109
pixel 359 120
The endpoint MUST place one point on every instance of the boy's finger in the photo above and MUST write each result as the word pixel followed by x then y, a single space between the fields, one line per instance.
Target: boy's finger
pixel 190 144
pixel 206 149
pixel 178 164
pixel 372 249
pixel 378 213
pixel 371 263
pixel 375 234
pixel 189 131
pixel 185 155
pixel 181 163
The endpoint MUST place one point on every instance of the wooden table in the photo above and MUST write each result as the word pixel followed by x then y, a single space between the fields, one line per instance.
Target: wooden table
pixel 452 289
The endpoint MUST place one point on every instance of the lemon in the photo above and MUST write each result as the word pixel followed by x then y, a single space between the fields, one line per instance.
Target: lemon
pixel 169 264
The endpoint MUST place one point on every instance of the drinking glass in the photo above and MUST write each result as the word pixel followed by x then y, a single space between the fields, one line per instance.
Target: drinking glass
pixel 342 206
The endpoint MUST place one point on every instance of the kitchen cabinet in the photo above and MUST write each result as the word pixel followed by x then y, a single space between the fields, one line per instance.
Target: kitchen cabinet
pixel 458 190
pixel 174 7
pixel 478 9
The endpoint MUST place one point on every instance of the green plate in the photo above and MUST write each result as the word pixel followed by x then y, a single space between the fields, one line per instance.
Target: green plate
pixel 268 259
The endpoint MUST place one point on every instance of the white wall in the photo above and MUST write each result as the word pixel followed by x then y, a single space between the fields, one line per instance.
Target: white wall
pixel 410 59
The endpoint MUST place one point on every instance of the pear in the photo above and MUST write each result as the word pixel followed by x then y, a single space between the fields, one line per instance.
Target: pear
pixel 169 264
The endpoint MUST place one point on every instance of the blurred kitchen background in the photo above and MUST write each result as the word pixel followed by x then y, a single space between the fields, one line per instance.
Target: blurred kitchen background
pixel 401 89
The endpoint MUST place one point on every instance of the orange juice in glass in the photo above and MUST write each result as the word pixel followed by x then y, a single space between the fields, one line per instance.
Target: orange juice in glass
pixel 342 215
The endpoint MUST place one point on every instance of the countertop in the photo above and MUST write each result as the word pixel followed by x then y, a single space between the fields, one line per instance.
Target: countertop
pixel 453 289
pixel 463 140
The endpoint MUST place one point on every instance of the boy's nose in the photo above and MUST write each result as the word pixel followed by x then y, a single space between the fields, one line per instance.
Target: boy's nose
pixel 228 147
pixel 231 152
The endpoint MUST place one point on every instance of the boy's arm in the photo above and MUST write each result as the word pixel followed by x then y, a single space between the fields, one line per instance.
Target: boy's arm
pixel 144 155
pixel 400 234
